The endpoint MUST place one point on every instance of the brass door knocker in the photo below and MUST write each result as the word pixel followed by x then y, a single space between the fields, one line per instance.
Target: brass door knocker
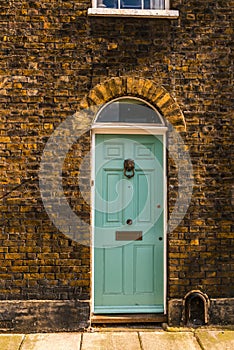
pixel 129 166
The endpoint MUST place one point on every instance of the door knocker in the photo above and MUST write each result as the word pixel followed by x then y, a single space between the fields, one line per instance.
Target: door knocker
pixel 129 166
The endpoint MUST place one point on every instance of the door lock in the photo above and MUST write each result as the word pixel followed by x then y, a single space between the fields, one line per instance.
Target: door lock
pixel 129 222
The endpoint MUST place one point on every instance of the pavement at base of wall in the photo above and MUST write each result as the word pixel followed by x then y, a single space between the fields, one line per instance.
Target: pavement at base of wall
pixel 124 338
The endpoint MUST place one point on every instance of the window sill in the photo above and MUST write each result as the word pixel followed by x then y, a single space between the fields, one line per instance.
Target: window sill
pixel 108 12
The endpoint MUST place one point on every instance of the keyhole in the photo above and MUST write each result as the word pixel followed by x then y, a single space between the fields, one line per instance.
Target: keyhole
pixel 129 222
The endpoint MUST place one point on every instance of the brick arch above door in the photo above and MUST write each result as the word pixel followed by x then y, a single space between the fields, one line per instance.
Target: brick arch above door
pixel 146 89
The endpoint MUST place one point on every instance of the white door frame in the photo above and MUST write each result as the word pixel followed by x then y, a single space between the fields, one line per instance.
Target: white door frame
pixel 128 129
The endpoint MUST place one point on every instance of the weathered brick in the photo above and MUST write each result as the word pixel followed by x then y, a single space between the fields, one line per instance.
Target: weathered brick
pixel 56 61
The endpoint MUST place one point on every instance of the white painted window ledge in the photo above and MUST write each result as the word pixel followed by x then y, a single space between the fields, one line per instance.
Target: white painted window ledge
pixel 109 12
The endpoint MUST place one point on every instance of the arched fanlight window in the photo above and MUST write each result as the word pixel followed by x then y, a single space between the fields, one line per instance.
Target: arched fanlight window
pixel 129 110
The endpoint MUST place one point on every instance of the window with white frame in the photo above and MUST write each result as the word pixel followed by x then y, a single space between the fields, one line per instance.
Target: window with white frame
pixel 133 4
pixel 133 8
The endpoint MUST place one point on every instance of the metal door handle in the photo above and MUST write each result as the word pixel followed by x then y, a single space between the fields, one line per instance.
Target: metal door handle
pixel 129 166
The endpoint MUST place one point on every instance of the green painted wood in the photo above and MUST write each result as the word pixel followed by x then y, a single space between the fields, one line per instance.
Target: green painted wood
pixel 128 275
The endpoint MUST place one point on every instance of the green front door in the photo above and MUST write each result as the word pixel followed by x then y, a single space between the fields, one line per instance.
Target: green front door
pixel 129 225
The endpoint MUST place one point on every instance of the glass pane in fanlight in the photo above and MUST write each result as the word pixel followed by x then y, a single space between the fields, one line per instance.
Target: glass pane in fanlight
pixel 129 111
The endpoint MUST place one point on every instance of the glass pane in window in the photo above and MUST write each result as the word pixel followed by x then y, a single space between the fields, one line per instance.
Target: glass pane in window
pixel 108 3
pixel 129 111
pixel 147 4
pixel 131 4
pixel 157 4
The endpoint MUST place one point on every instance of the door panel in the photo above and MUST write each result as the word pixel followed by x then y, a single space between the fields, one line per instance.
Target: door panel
pixel 111 178
pixel 144 197
pixel 113 285
pixel 143 278
pixel 128 258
